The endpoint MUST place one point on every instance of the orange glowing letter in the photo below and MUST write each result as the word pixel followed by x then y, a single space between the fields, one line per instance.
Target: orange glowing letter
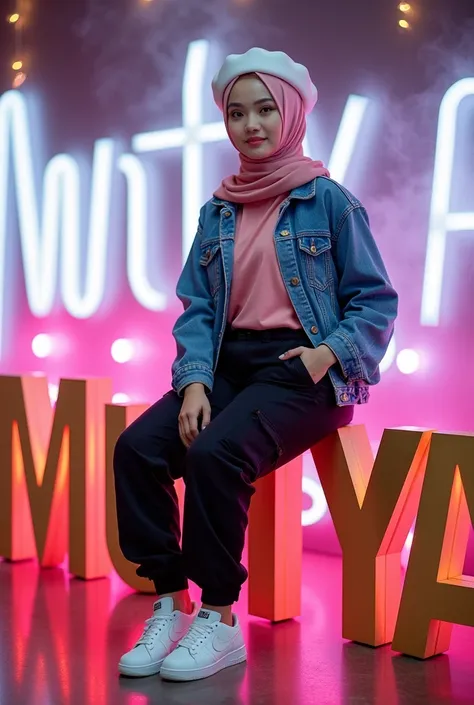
pixel 118 417
pixel 436 594
pixel 372 510
pixel 275 544
pixel 52 462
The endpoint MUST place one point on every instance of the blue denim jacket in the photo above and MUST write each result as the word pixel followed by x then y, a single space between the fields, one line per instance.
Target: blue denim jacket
pixel 334 275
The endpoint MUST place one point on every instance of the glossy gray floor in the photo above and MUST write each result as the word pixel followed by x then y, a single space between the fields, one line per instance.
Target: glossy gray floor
pixel 60 640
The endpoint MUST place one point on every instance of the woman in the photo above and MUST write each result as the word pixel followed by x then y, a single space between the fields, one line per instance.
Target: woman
pixel 288 311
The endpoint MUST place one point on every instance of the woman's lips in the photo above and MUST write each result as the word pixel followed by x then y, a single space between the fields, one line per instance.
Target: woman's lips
pixel 255 141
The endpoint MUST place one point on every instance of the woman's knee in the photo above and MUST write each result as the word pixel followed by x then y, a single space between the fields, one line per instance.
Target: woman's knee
pixel 130 442
pixel 212 460
pixel 201 455
pixel 151 433
pixel 199 449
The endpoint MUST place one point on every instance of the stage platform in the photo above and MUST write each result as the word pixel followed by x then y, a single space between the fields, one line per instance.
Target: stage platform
pixel 61 638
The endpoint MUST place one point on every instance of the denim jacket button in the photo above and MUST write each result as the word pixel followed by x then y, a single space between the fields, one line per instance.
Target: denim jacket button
pixel 314 330
pixel 313 249
pixel 227 214
pixel 295 281
pixel 344 397
pixel 285 233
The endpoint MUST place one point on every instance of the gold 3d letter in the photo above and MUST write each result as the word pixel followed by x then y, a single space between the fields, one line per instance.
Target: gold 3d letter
pixel 52 462
pixel 275 544
pixel 372 510
pixel 118 417
pixel 117 420
pixel 436 594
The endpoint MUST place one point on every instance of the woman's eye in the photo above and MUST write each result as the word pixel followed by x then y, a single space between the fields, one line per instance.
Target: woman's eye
pixel 267 109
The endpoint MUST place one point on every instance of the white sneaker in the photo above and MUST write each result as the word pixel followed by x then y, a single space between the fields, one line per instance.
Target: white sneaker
pixel 208 647
pixel 161 635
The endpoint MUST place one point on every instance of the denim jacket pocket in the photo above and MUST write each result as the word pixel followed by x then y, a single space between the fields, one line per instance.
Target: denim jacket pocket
pixel 315 255
pixel 210 258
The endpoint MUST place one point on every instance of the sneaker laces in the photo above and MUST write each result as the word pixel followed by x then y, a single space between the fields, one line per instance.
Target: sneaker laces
pixel 196 635
pixel 153 626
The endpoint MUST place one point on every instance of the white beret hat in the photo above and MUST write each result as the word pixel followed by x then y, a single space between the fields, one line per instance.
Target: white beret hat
pixel 275 63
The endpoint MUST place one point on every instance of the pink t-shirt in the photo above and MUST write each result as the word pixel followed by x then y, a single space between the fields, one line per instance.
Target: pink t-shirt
pixel 259 299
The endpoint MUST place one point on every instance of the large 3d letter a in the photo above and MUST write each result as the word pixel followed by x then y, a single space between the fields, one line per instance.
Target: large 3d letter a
pixel 442 220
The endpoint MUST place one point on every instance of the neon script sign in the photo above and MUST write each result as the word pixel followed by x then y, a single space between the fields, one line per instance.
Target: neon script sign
pixel 53 236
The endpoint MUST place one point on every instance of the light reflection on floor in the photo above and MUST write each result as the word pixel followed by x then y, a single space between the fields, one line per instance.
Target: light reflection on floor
pixel 60 640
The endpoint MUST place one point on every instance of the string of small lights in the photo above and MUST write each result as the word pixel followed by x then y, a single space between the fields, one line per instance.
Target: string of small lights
pixel 405 22
pixel 16 20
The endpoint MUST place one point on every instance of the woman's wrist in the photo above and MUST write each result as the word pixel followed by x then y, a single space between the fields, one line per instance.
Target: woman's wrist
pixel 194 386
pixel 328 356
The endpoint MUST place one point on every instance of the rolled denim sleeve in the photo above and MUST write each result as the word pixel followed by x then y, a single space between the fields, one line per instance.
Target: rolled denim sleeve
pixel 368 301
pixel 193 329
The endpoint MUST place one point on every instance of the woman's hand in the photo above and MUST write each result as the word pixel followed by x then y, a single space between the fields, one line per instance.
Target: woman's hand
pixel 195 406
pixel 316 360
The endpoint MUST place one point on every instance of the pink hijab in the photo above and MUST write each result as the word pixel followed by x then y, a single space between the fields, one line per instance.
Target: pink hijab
pixel 287 168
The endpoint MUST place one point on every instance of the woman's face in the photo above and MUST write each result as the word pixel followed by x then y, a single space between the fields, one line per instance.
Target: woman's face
pixel 253 120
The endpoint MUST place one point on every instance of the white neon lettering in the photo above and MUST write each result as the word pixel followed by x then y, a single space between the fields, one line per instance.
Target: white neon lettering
pixel 137 229
pixel 193 81
pixel 389 357
pixel 441 220
pixel 346 138
pixel 60 218
pixel 318 506
pixel 190 138
pixel 347 135
pixel 54 230
pixel 78 305
pixel 40 294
